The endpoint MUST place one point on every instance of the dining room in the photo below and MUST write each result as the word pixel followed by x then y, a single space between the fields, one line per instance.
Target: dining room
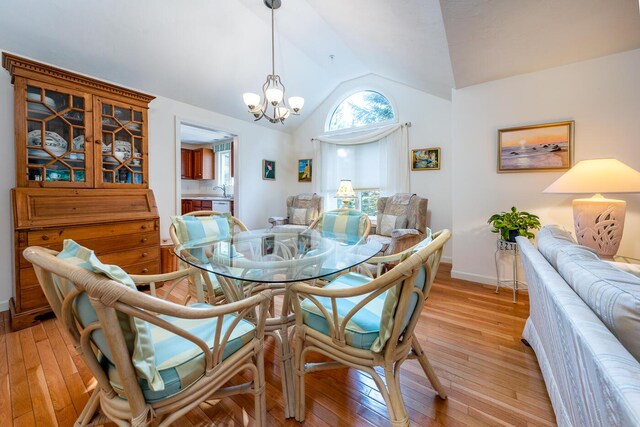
pixel 329 213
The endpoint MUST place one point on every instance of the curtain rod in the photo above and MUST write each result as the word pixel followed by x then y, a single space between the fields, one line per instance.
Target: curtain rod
pixel 355 130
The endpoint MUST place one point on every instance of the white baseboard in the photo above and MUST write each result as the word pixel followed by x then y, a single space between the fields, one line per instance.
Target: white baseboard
pixel 446 259
pixel 4 305
pixel 478 278
pixel 482 280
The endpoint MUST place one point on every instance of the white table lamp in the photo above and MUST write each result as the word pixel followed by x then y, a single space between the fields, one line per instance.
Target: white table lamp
pixel 345 192
pixel 598 221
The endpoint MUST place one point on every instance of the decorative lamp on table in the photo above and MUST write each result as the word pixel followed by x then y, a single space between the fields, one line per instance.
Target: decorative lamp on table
pixel 345 192
pixel 598 221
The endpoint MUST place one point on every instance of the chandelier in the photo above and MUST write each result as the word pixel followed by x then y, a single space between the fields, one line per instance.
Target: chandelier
pixel 272 105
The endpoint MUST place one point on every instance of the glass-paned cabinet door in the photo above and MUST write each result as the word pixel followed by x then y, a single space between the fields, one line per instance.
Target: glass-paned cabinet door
pixel 57 130
pixel 122 160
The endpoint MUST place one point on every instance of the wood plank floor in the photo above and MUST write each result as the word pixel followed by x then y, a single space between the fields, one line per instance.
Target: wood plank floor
pixel 470 334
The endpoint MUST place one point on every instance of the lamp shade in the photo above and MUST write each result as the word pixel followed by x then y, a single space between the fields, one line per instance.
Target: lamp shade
pixel 597 176
pixel 345 189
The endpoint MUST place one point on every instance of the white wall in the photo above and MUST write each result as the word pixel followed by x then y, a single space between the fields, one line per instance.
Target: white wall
pixel 601 95
pixel 431 127
pixel 255 197
pixel 7 182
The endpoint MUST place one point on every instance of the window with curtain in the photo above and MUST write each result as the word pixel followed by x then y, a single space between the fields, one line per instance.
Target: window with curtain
pixel 363 108
pixel 373 158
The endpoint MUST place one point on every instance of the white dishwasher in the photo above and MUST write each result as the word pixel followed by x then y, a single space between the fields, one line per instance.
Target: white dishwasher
pixel 221 206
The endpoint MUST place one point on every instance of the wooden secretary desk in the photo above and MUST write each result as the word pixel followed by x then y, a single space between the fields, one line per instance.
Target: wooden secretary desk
pixel 82 174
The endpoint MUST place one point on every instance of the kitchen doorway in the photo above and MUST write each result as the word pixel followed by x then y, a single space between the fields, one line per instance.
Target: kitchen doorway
pixel 206 159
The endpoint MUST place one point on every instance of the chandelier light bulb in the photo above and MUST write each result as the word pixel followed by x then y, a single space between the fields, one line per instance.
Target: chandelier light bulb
pixel 251 100
pixel 296 103
pixel 274 95
pixel 282 113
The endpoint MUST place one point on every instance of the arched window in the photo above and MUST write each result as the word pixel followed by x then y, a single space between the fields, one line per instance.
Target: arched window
pixel 363 108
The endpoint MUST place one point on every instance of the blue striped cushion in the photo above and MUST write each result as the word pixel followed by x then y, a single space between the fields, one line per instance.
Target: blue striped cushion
pixel 347 225
pixel 363 328
pixel 136 331
pixel 191 228
pixel 181 362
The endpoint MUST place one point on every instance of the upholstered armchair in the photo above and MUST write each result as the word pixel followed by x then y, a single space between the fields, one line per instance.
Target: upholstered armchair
pixel 401 222
pixel 302 210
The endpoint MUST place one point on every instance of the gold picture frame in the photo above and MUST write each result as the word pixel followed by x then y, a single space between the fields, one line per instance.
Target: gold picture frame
pixel 425 159
pixel 546 147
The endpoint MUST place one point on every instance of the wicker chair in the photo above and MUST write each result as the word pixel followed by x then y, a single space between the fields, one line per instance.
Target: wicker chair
pixel 340 322
pixel 121 395
pixel 201 288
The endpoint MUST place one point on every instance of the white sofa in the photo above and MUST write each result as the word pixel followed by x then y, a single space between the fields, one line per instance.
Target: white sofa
pixel 584 327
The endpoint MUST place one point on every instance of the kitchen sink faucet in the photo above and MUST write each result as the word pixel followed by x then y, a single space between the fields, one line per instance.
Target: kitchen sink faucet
pixel 222 187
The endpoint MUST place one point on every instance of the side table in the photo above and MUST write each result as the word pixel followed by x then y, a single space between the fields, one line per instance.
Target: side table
pixel 511 248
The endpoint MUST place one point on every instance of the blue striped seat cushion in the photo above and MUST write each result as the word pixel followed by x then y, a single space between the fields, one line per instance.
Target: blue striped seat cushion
pixel 203 229
pixel 346 225
pixel 363 328
pixel 179 361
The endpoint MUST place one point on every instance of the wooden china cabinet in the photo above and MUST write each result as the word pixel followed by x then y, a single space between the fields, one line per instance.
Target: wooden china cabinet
pixel 82 174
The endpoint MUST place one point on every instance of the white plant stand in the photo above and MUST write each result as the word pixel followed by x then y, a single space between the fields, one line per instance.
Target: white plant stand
pixel 510 248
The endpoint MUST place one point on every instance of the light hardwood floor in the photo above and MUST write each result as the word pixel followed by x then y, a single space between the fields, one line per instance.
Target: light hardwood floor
pixel 470 334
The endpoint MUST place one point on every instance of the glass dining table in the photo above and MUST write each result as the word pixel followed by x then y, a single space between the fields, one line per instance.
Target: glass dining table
pixel 247 262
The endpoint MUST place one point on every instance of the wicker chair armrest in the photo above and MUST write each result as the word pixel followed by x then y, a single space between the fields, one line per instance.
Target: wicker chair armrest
pixel 140 279
pixel 403 233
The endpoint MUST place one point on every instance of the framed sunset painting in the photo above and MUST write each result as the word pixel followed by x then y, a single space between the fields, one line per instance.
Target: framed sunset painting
pixel 543 147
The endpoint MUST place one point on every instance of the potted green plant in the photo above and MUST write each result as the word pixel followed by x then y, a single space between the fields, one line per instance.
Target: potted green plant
pixel 514 223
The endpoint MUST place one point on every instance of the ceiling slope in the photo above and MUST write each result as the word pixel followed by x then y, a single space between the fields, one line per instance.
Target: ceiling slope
pixel 402 40
pixel 494 39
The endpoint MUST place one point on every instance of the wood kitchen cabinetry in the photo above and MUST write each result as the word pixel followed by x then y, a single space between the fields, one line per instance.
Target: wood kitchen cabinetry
pixel 193 205
pixel 82 174
pixel 198 163
pixel 186 162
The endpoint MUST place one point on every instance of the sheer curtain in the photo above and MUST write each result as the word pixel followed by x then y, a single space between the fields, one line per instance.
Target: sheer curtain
pixel 373 159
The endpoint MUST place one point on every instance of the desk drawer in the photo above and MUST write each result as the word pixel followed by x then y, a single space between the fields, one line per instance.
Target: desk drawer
pixel 57 235
pixel 106 245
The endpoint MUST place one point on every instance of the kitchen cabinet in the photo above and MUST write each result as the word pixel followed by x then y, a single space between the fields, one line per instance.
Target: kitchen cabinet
pixel 192 205
pixel 186 161
pixel 198 163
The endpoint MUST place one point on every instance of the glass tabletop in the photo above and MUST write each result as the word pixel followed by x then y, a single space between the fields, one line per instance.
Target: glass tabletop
pixel 266 256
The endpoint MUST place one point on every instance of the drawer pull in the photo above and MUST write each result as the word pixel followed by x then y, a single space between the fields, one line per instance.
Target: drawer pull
pixel 143 226
pixel 144 254
pixel 143 240
pixel 45 237
pixel 146 270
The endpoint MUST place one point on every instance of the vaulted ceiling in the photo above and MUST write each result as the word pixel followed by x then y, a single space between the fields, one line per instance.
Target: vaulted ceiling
pixel 208 52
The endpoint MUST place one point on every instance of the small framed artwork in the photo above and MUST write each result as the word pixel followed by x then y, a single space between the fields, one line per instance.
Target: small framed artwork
pixel 304 170
pixel 425 159
pixel 268 245
pixel 543 147
pixel 269 169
